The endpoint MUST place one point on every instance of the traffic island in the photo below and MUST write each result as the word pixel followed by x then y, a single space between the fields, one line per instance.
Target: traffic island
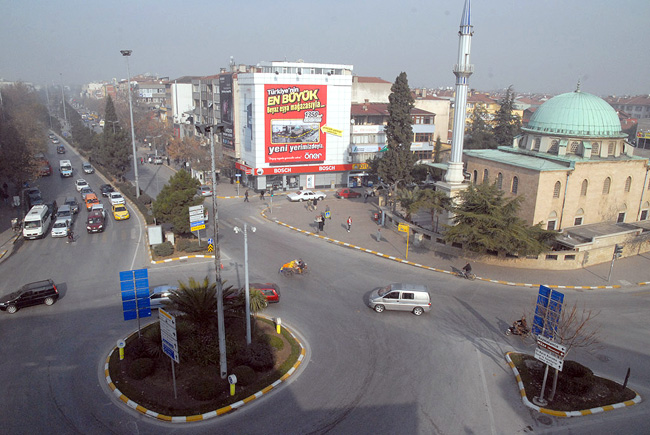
pixel 579 392
pixel 143 378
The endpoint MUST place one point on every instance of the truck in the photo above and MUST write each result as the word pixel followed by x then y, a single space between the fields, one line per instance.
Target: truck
pixel 65 168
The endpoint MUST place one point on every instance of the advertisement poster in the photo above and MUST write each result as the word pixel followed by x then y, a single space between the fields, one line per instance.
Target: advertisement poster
pixel 294 115
pixel 225 96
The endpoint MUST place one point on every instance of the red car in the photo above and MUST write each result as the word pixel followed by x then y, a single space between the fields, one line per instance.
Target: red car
pixel 269 290
pixel 347 193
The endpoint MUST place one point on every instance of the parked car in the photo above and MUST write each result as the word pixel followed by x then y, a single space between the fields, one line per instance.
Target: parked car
pixel 158 160
pixel 80 184
pixel 116 198
pixel 51 136
pixel 347 193
pixel 34 196
pixel 106 189
pixel 95 222
pixel 120 212
pixel 306 195
pixel 56 140
pixel 150 158
pixel 270 291
pixel 60 227
pixel 72 202
pixel 378 189
pixel 45 169
pixel 205 190
pixel 34 293
pixel 60 149
pixel 88 168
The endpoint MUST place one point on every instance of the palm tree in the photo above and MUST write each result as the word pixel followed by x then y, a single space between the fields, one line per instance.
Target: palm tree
pixel 197 300
pixel 407 198
pixel 434 201
pixel 257 301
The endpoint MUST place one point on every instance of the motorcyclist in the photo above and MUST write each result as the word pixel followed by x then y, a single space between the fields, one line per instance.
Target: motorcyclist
pixel 520 326
pixel 301 265
pixel 467 269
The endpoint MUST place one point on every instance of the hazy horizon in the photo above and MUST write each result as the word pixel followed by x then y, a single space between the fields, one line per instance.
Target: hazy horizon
pixel 537 47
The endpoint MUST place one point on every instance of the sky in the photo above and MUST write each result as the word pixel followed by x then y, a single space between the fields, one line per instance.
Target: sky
pixel 537 46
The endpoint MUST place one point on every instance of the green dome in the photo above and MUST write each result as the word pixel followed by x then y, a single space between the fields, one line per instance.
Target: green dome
pixel 575 114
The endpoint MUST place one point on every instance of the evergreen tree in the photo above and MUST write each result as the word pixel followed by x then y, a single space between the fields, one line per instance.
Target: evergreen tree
pixel 486 221
pixel 173 202
pixel 437 151
pixel 507 124
pixel 397 161
pixel 114 150
pixel 478 134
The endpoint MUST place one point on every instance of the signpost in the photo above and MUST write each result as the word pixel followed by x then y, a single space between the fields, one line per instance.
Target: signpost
pixel 404 228
pixel 169 339
pixel 197 220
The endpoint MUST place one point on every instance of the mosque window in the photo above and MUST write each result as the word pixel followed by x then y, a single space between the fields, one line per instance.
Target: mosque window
pixel 500 181
pixel 553 148
pixel 606 185
pixel 628 183
pixel 579 216
pixel 515 184
pixel 595 149
pixel 475 176
pixel 485 176
pixel 537 144
pixel 556 189
pixel 583 190
pixel 610 148
pixel 574 147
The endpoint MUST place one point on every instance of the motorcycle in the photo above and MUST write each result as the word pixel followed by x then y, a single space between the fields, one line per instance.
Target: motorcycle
pixel 517 329
pixel 467 275
pixel 290 269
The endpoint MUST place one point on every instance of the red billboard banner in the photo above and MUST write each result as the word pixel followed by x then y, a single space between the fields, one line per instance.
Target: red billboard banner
pixel 294 115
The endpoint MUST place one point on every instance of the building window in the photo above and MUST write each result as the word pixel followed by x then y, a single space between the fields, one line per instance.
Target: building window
pixel 628 183
pixel 486 178
pixel 475 176
pixel 606 185
pixel 550 225
pixel 644 215
pixel 577 221
pixel 553 148
pixel 574 147
pixel 583 190
pixel 537 144
pixel 515 184
pixel 499 180
pixel 610 149
pixel 595 149
pixel 621 218
pixel 556 189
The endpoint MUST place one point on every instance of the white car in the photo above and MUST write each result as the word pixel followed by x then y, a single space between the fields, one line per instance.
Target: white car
pixel 80 184
pixel 116 198
pixel 88 168
pixel 100 208
pixel 60 227
pixel 306 195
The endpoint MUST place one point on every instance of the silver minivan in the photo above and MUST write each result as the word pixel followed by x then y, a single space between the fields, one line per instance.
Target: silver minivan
pixel 401 297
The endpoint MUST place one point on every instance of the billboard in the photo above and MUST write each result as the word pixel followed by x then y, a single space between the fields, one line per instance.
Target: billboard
pixel 225 98
pixel 293 117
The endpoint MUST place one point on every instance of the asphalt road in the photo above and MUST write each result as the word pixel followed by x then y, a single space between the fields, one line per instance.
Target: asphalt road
pixel 443 372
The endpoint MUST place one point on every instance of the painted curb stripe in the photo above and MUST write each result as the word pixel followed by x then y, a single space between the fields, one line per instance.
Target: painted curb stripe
pixel 528 403
pixel 210 414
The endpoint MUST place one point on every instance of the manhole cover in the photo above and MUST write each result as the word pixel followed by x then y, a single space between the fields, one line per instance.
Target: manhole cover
pixel 543 419
pixel 603 358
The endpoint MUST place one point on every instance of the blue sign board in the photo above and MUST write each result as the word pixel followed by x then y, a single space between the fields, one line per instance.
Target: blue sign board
pixel 547 312
pixel 134 286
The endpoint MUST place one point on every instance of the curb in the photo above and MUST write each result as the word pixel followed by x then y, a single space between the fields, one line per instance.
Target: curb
pixel 400 260
pixel 199 417
pixel 597 410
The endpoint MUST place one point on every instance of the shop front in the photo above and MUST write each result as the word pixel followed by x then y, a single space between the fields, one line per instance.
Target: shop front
pixel 300 177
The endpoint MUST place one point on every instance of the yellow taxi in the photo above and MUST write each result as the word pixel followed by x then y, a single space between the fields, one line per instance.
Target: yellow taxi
pixel 120 212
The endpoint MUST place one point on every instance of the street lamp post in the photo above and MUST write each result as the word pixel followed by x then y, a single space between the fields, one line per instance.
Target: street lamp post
pixel 223 366
pixel 127 53
pixel 246 283
pixel 63 98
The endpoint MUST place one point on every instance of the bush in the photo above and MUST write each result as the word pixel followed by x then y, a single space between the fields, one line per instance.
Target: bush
pixel 206 386
pixel 141 368
pixel 258 356
pixel 575 379
pixel 187 245
pixel 245 375
pixel 201 348
pixel 164 249
pixel 276 342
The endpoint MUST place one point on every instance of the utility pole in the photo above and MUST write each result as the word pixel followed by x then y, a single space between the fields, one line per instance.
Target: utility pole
pixel 127 54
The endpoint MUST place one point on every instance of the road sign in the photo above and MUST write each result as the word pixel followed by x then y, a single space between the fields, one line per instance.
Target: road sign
pixel 134 287
pixel 195 226
pixel 404 228
pixel 547 312
pixel 168 334
pixel 551 346
pixel 549 358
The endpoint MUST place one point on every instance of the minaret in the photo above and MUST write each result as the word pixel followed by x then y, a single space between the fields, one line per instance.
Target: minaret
pixel 463 69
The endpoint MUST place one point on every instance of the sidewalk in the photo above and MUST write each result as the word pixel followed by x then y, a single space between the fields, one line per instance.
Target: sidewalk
pixel 627 273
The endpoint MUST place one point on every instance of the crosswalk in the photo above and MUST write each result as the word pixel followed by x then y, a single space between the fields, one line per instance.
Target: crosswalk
pixel 251 220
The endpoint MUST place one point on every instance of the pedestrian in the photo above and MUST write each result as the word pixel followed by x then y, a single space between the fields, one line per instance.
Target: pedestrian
pixel 315 203
pixel 142 160
pixel 349 222
pixel 321 223
pixel 378 234
pixel 318 221
pixel 365 196
pixel 262 195
pixel 246 196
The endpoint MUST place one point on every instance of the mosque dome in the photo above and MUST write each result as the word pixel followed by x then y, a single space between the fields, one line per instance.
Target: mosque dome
pixel 575 114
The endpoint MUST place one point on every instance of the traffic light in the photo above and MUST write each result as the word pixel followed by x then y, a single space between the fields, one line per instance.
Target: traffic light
pixel 203 129
pixel 618 251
